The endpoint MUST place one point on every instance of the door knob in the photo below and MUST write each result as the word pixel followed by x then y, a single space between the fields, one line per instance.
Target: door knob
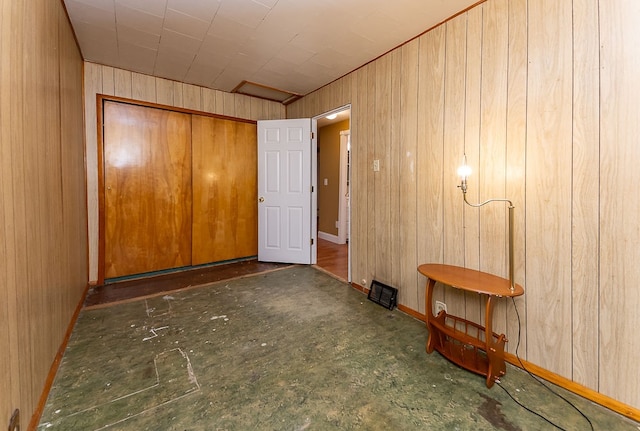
pixel 260 199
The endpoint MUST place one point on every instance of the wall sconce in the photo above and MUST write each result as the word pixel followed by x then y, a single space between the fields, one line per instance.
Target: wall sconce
pixel 464 171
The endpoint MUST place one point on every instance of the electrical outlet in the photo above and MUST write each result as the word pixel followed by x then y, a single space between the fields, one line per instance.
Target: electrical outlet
pixel 376 165
pixel 441 306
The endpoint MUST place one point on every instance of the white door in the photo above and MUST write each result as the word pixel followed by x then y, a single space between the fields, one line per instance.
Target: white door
pixel 284 191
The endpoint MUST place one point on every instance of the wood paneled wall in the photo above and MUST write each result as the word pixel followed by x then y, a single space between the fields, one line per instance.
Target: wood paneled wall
pixel 43 225
pixel 99 79
pixel 542 97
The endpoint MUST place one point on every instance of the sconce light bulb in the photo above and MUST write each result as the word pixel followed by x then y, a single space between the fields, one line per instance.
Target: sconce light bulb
pixel 464 171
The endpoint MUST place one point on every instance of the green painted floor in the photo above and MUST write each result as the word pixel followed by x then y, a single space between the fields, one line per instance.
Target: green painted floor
pixel 293 349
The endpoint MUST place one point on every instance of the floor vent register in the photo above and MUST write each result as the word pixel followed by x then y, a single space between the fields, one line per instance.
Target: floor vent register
pixel 382 294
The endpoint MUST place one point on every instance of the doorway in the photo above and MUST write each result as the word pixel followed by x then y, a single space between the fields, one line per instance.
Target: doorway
pixel 333 186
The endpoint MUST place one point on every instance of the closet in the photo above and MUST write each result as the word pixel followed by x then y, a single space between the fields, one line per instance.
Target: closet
pixel 179 189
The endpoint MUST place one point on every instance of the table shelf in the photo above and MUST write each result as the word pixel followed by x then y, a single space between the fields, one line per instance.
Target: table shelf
pixel 468 350
pixel 468 344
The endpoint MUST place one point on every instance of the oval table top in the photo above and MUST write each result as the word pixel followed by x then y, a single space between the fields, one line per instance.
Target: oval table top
pixel 470 279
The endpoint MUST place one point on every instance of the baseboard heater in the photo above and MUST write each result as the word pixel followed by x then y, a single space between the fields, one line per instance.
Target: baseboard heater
pixel 382 294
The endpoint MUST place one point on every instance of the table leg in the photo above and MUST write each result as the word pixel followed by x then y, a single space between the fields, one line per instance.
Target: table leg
pixel 431 343
pixel 496 367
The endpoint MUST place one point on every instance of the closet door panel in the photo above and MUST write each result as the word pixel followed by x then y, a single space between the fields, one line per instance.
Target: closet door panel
pixel 225 198
pixel 147 179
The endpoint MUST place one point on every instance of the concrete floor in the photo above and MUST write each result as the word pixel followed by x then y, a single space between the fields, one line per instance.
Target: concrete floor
pixel 292 349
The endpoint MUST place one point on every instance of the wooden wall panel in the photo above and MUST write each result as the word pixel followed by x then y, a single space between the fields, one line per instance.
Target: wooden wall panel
pixel 395 156
pixel 452 151
pixel 108 81
pixel 43 269
pixel 132 85
pixel 430 152
pixel 361 161
pixel 33 186
pixel 381 79
pixel 474 305
pixel 550 122
pixel 370 179
pixel 516 155
pixel 122 83
pixel 408 176
pixel 619 296
pixel 586 152
pixel 164 91
pixel 74 240
pixel 143 87
pixel 491 167
pixel 548 189
pixel 192 97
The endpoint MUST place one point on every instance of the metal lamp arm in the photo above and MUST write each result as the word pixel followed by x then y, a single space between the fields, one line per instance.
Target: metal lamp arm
pixel 463 187
pixel 486 202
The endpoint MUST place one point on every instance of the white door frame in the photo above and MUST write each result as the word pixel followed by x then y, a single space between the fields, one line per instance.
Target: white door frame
pixel 343 216
pixel 314 181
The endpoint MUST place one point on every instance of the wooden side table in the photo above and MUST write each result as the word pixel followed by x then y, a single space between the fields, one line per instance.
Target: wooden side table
pixel 467 344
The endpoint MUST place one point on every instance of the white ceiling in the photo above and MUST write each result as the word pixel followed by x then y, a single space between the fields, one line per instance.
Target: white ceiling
pixel 293 45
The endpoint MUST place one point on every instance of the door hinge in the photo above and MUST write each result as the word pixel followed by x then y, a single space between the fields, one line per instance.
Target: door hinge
pixel 311 241
pixel 312 135
pixel 311 189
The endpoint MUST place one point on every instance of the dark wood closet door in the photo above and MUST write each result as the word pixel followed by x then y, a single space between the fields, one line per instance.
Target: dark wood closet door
pixel 148 198
pixel 225 201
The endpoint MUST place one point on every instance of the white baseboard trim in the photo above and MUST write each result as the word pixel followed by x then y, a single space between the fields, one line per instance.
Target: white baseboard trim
pixel 329 237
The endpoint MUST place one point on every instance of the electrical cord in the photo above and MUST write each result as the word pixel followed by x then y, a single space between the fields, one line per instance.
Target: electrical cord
pixel 540 382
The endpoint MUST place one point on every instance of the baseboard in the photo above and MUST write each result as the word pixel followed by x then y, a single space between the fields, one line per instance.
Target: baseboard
pixel 563 382
pixel 35 418
pixel 329 237
pixel 576 388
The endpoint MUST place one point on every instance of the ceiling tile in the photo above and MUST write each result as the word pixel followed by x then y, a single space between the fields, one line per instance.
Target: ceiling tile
pixel 139 58
pixel 179 42
pixel 245 65
pixel 204 10
pixel 227 81
pixel 143 21
pixel 171 66
pixel 369 28
pixel 96 16
pixel 267 3
pixel 225 28
pixel 152 7
pixel 203 74
pixel 330 59
pixel 105 5
pixel 294 54
pixel 245 12
pixel 216 45
pixel 136 37
pixel 96 43
pixel 185 24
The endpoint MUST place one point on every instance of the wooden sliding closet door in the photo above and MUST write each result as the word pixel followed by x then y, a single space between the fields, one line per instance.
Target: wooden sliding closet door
pixel 147 179
pixel 225 201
